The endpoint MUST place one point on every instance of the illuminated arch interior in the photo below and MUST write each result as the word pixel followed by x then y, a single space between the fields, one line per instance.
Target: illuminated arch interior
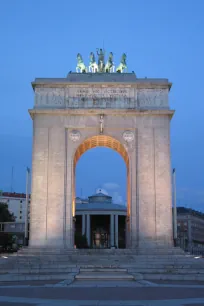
pixel 102 141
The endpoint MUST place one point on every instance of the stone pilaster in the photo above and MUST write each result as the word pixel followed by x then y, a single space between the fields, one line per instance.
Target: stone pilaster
pixel 68 206
pixel 163 187
pixel 55 204
pixel 146 188
pixel 40 173
pixel 132 233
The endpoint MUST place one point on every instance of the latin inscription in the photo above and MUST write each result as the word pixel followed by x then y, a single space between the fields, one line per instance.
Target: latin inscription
pixel 93 93
pixel 101 97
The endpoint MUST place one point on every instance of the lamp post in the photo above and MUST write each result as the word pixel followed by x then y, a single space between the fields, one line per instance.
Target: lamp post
pixel 174 208
pixel 26 210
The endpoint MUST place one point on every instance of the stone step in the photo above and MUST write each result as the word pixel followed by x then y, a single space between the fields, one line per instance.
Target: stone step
pixel 148 254
pixel 170 271
pixel 112 270
pixel 153 251
pixel 104 276
pixel 105 283
pixel 165 276
pixel 93 257
pixel 23 277
pixel 136 263
pixel 39 270
pixel 197 263
pixel 140 269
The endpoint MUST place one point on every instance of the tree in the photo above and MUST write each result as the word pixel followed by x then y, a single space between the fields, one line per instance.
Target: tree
pixel 5 214
pixel 6 239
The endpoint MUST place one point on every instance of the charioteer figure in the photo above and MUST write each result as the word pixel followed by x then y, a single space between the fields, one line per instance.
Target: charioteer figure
pixel 101 64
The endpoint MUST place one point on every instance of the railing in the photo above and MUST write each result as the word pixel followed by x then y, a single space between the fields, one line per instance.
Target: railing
pixel 195 251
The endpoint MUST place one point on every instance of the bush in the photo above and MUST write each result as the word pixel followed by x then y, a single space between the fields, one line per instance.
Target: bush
pixel 6 239
pixel 80 241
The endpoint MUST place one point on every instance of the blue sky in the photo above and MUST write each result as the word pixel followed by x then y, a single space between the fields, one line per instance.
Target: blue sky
pixel 161 39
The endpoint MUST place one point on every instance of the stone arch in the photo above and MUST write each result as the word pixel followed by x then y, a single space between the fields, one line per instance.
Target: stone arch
pixel 136 112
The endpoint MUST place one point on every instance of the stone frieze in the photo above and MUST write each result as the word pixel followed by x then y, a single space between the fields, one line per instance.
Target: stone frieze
pixel 101 97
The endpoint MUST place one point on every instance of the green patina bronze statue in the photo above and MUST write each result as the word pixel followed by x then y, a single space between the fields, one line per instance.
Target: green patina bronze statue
pixel 92 63
pixel 109 63
pixel 80 63
pixel 101 64
pixel 123 64
pixel 101 67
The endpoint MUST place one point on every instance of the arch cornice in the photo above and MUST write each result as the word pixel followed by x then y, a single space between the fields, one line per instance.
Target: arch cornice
pixel 113 112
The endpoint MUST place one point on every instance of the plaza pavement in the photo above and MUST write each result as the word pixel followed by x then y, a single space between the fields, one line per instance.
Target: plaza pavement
pixel 141 293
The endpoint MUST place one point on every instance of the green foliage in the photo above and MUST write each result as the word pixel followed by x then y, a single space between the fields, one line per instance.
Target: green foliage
pixel 5 215
pixel 80 241
pixel 6 239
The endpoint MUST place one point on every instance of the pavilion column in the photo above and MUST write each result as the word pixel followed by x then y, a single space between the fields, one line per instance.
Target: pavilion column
pixel 83 224
pixel 116 230
pixel 112 229
pixel 88 229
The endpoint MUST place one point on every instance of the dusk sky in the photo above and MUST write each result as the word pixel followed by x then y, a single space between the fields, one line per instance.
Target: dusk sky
pixel 162 39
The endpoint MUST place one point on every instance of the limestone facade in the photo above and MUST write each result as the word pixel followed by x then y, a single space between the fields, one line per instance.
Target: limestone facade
pixel 66 123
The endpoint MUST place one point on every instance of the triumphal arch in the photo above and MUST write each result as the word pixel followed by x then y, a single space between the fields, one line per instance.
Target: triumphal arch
pixel 101 105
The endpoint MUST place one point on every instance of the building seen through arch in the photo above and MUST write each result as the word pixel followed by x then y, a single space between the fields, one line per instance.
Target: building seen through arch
pixel 102 221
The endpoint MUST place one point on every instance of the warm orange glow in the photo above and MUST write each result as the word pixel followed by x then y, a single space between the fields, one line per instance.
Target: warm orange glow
pixel 103 141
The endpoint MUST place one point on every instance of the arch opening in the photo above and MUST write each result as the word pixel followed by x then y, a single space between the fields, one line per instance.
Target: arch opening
pixel 111 143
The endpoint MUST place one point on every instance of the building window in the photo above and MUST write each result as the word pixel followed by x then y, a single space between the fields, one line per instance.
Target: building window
pixel 21 201
pixel 20 211
pixel 20 217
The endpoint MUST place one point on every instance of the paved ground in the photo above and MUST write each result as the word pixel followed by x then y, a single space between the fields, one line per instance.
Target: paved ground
pixel 178 282
pixel 29 283
pixel 15 304
pixel 106 296
pixel 143 294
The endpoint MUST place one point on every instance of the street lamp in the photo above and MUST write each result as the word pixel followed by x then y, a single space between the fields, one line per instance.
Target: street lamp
pixel 174 208
pixel 26 210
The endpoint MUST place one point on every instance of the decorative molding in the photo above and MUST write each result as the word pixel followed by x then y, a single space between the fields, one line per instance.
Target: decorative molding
pixel 74 135
pixel 116 112
pixel 128 136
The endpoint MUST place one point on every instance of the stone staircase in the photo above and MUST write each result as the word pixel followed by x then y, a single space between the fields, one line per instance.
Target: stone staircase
pixel 104 274
pixel 101 252
pixel 86 265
